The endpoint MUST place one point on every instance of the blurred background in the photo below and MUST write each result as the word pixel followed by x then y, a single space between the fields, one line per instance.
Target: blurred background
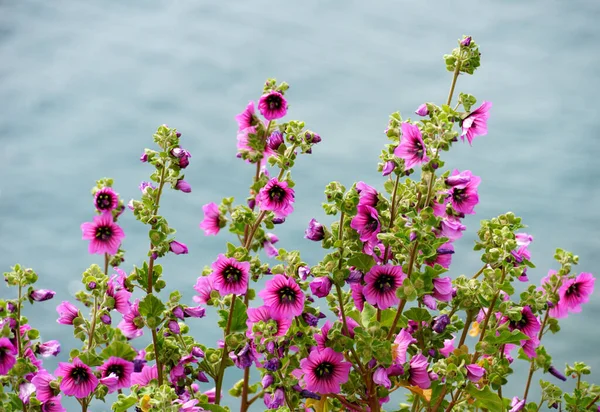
pixel 83 85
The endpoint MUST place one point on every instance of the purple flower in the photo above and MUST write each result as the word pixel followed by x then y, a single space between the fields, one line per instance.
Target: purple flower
pixel 277 197
pixel 67 312
pixel 466 41
pixel 144 157
pixel 40 295
pixel 204 286
pixel 183 186
pixel 143 378
pixel 178 248
pixel 556 373
pixel 272 105
pixel 78 379
pixel 401 343
pixel 275 140
pixel 106 200
pixel 194 312
pixel 315 231
pixel 229 275
pixel 475 372
pixel 41 381
pixel 283 296
pixel 132 324
pixel 442 289
pixel 121 369
pixel 418 372
pixel 411 147
pixel 266 314
pixel 270 240
pixel 573 293
pixel 7 356
pixel 324 371
pixel 310 319
pixel 144 186
pixel 475 124
pixel 246 118
pixel 440 323
pixel 26 389
pixel 304 272
pixel 388 168
pixel 106 319
pixel 53 405
pixel 267 380
pixel 50 348
pixel 464 197
pixel 275 400
pixel 104 235
pixel 517 404
pixel 381 285
pixel 244 358
pixel 320 287
pixel 212 222
pixel 201 377
pixel 173 326
pixel 197 352
pixel 448 347
pixel 366 223
pixel 183 156
pixel 272 365
pixel 380 377
pixel 422 110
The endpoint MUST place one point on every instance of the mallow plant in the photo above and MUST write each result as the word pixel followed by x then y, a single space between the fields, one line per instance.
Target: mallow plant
pixel 380 312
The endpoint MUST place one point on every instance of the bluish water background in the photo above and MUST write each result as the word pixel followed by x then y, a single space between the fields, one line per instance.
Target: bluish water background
pixel 84 84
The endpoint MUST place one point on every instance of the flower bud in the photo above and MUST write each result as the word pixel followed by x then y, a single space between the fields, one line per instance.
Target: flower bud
pixel 197 352
pixel 267 380
pixel 304 272
pixel 440 323
pixel 144 157
pixel 554 372
pixel 202 377
pixel 321 287
pixel 388 168
pixel 310 319
pixel 195 312
pixel 422 110
pixel 278 220
pixel 272 364
pixel 177 312
pixel 178 248
pixel 315 231
pixel 183 186
pixel 105 318
pixel 251 203
pixel 91 285
pixel 174 327
pixel 41 295
pixel 466 42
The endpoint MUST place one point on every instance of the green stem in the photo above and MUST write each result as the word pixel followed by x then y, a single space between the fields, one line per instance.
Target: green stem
pixel 468 321
pixel 593 402
pixel 18 326
pixel 411 264
pixel 219 382
pixel 454 78
pixel 392 216
pixel 93 325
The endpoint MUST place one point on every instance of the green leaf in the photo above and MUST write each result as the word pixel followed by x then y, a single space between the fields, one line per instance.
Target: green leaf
pixel 362 262
pixel 485 398
pixel 418 314
pixel 151 308
pixel 367 314
pixel 90 359
pixel 238 321
pixel 123 403
pixel 213 407
pixel 506 336
pixel 120 350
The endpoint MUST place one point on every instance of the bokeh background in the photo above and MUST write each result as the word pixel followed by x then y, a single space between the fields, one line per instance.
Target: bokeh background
pixel 83 85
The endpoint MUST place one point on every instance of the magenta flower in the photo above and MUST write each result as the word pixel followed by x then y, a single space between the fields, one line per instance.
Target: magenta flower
pixel 401 343
pixel 212 222
pixel 422 110
pixel 67 312
pixel 388 168
pixel 448 347
pixel 322 336
pixel 442 289
pixel 265 314
pixel 143 378
pixel 314 231
pixel 104 235
pixel 575 292
pixel 230 275
pixel 26 389
pixel 277 197
pixel 418 372
pixel 367 195
pixel 381 284
pixel 272 105
pixel 132 324
pixel 474 372
pixel 183 156
pixel 7 356
pixel 78 379
pixel 443 257
pixel 246 118
pixel 40 295
pixel 324 371
pixel 380 377
pixel 464 196
pixel 358 295
pixel 451 228
pixel 270 240
pixel 529 323
pixel 106 200
pixel 283 296
pixel 53 405
pixel 41 381
pixel 120 295
pixel 275 400
pixel 517 405
pixel 320 287
pixel 50 348
pixel 178 248
pixel 194 312
pixel 184 186
pixel 366 223
pixel 121 368
pixel 411 147
pixel 204 285
pixel 475 124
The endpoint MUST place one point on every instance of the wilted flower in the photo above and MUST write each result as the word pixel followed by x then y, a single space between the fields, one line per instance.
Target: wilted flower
pixel 50 348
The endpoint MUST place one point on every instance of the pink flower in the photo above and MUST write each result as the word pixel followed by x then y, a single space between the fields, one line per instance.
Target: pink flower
pixel 246 118
pixel 265 314
pixel 50 348
pixel 53 405
pixel 212 222
pixel 576 291
pixel 320 287
pixel 272 105
pixel 324 371
pixel 388 168
pixel 277 197
pixel 418 372
pixel 41 295
pixel 380 377
pixel 41 381
pixel 517 405
pixel 442 289
pixel 401 343
pixel 104 235
pixel 230 275
pixel 67 312
pixel 117 291
pixel 132 324
pixel 358 295
pixel 121 368
pixel 78 379
pixel 184 186
pixel 283 296
pixel 366 223
pixel 143 378
pixel 464 196
pixel 422 110
pixel 26 389
pixel 178 248
pixel 474 372
pixel 529 323
pixel 448 347
pixel 451 228
pixel 106 200
pixel 411 147
pixel 475 124
pixel 381 284
pixel 270 240
pixel 367 195
pixel 203 286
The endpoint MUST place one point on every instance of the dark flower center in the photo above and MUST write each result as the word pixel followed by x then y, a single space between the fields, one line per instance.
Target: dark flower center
pixel 384 283
pixel 116 369
pixel 324 370
pixel 2 354
pixel 104 201
pixel 573 290
pixel 80 375
pixel 277 194
pixel 459 195
pixel 371 225
pixel 232 274
pixel 274 101
pixel 419 151
pixel 103 232
pixel 287 294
